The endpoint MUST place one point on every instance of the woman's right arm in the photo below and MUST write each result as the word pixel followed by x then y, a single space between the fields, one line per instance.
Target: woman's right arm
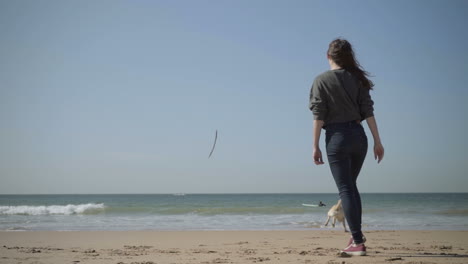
pixel 378 148
pixel 366 106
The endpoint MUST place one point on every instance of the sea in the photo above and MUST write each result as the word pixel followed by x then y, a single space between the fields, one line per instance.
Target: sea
pixel 381 211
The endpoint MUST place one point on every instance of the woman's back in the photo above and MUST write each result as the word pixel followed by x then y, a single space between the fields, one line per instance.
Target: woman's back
pixel 337 96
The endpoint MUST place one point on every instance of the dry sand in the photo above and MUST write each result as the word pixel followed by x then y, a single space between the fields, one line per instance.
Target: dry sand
pixel 180 247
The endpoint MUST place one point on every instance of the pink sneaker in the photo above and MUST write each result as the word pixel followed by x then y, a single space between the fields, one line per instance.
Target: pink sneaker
pixel 355 250
pixel 351 240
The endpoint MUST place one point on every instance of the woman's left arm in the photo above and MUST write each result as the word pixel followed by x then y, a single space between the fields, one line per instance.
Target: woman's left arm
pixel 317 153
pixel 318 105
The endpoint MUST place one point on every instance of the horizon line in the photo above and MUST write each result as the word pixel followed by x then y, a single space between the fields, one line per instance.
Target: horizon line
pixel 234 193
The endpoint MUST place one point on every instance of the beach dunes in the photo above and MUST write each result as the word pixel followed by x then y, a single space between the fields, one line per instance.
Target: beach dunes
pixel 180 247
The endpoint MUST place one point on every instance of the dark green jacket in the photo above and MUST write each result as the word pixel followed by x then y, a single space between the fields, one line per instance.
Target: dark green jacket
pixel 337 96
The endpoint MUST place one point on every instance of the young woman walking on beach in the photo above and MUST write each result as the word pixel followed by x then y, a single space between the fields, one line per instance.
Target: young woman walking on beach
pixel 340 101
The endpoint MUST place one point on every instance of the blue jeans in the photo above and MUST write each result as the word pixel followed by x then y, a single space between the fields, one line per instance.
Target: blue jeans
pixel 346 145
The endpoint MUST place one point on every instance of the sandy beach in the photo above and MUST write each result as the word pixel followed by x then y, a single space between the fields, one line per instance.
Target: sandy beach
pixel 138 247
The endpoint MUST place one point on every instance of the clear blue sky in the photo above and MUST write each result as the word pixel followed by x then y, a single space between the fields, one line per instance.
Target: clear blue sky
pixel 125 96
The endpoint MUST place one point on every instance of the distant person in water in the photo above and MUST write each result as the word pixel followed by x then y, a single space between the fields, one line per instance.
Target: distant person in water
pixel 321 204
pixel 340 101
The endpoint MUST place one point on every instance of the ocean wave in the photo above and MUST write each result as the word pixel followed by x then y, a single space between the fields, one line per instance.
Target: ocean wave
pixel 209 211
pixel 16 228
pixel 461 212
pixel 68 209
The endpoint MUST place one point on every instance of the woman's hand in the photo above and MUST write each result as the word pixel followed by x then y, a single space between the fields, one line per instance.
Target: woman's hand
pixel 318 156
pixel 378 152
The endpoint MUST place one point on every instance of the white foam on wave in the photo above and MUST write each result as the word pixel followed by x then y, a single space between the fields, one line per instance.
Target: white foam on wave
pixel 68 209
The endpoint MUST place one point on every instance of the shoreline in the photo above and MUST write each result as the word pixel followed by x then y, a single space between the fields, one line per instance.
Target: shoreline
pixel 326 229
pixel 233 246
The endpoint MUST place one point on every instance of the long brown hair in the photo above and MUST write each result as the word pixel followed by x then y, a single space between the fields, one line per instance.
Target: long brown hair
pixel 341 52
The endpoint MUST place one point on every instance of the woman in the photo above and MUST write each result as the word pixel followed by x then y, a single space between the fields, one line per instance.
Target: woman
pixel 340 101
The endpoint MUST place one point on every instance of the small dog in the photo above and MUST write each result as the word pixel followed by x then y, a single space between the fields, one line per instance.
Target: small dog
pixel 336 212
